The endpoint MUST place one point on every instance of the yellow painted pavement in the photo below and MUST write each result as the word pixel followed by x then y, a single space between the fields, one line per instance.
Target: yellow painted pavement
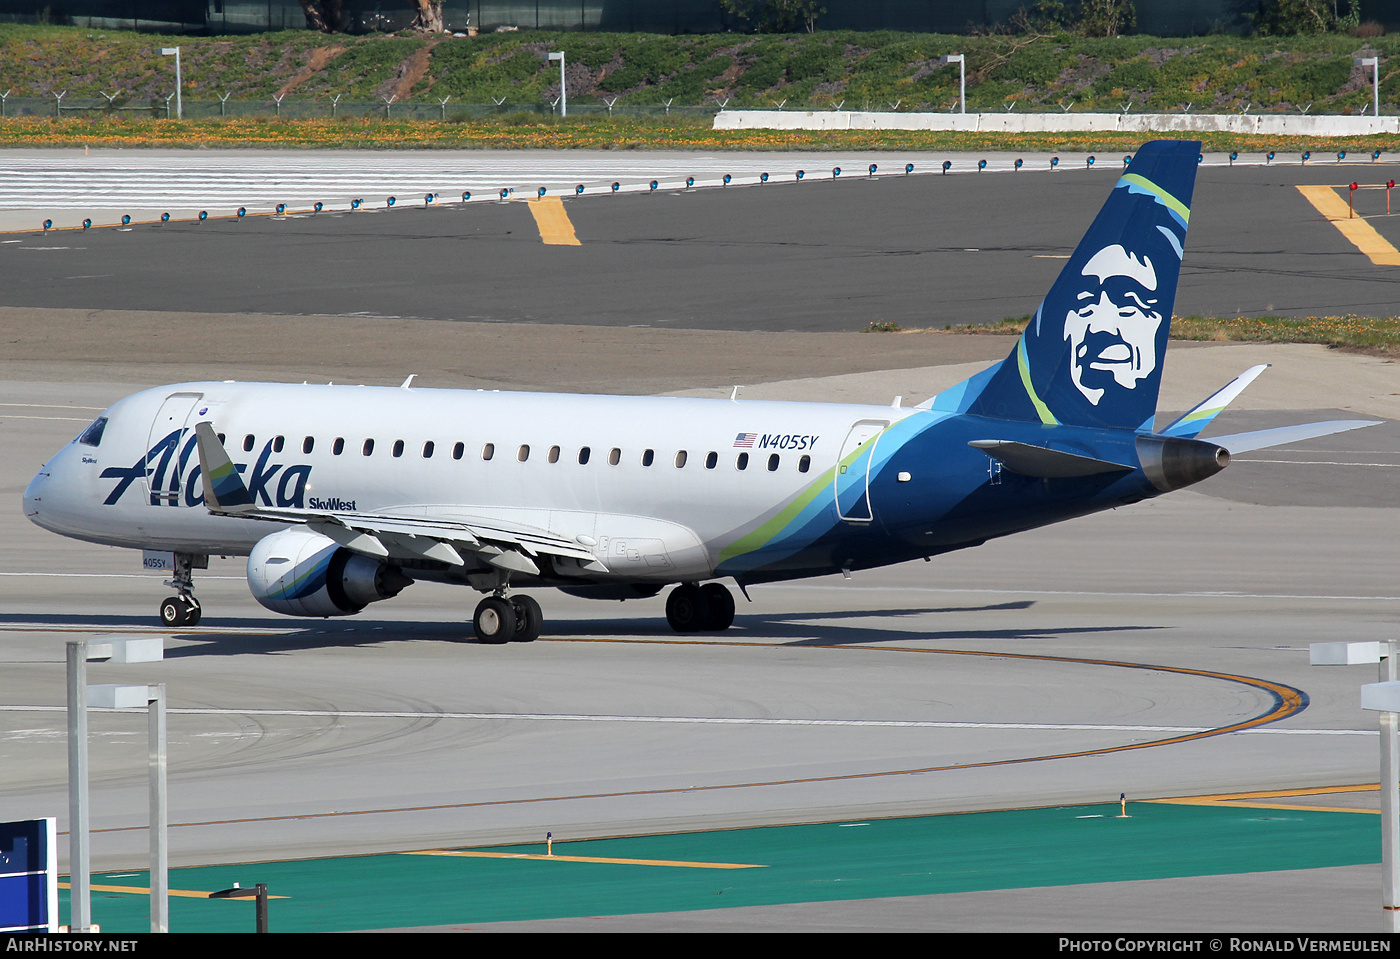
pixel 1362 235
pixel 556 229
pixel 622 862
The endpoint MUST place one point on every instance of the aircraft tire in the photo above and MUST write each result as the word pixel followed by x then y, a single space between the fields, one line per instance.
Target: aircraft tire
pixel 494 621
pixel 721 607
pixel 193 611
pixel 174 612
pixel 529 619
pixel 687 609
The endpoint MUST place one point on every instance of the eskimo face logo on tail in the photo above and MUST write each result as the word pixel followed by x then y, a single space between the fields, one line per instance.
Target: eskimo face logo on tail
pixel 1111 326
pixel 173 470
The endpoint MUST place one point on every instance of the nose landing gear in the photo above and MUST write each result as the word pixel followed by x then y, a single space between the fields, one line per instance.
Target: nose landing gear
pixel 183 609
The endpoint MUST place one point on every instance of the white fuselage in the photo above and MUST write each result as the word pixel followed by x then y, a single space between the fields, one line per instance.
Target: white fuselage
pixel 667 482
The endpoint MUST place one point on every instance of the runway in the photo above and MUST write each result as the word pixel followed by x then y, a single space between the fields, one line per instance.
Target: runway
pixel 1158 650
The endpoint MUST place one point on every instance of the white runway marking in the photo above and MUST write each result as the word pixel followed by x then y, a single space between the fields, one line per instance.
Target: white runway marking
pixel 947 590
pixel 1226 594
pixel 20 416
pixel 704 720
pixel 1321 463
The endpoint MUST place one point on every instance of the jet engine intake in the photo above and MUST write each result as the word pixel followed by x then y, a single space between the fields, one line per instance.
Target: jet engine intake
pixel 300 573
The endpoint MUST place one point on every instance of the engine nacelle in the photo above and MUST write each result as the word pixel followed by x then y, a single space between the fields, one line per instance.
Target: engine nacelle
pixel 300 573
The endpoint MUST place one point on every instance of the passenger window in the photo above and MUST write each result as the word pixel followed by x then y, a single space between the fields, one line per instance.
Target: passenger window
pixel 92 436
pixel 338 446
pixel 773 463
pixel 583 455
pixel 459 450
pixel 398 447
pixel 614 456
pixel 647 457
pixel 523 454
pixel 307 445
pixel 680 460
pixel 488 451
pixel 428 448
pixel 222 439
pixel 368 447
pixel 804 464
pixel 249 443
pixel 554 454
pixel 712 460
pixel 742 462
pixel 277 444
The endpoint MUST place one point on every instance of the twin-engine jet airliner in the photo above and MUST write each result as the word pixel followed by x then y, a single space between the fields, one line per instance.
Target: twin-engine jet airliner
pixel 342 496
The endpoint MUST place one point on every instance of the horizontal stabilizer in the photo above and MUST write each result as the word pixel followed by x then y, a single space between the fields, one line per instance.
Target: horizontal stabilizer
pixel 224 491
pixel 1191 423
pixel 1046 463
pixel 1263 439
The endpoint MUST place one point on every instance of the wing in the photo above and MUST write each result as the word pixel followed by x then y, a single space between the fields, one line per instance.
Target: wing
pixel 501 543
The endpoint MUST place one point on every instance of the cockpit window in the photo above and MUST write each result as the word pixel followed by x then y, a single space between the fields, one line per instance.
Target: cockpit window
pixel 92 436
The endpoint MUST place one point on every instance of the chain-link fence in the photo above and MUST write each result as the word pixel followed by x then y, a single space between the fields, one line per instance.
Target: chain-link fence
pixel 53 106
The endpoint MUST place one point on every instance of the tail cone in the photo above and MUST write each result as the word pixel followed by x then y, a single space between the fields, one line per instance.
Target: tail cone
pixel 1171 463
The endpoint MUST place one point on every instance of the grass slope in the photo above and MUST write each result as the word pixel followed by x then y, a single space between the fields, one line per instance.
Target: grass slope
pixel 823 69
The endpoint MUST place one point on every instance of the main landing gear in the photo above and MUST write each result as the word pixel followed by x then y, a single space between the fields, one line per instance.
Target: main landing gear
pixel 500 619
pixel 182 609
pixel 696 609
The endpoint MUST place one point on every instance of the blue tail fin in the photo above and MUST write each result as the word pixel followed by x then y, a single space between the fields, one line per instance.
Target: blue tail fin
pixel 1092 355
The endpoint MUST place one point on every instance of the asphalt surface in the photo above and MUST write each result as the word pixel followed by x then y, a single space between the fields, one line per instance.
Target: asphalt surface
pixel 904 691
pixel 820 255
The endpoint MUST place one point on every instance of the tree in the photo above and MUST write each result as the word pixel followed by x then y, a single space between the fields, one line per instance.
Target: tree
pixel 1308 17
pixel 1090 18
pixel 327 16
pixel 776 16
pixel 1107 18
pixel 429 18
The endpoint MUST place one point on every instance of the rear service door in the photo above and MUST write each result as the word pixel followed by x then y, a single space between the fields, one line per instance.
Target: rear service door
pixel 852 481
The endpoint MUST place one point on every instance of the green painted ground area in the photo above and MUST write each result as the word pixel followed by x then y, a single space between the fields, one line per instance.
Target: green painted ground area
pixel 895 857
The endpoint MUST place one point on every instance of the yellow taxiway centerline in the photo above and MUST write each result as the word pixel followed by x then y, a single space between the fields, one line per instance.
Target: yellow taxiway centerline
pixel 621 862
pixel 1361 234
pixel 144 891
pixel 1242 800
pixel 556 229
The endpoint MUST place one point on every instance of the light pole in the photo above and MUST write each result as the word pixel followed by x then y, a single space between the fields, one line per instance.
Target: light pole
pixel 1384 698
pixel 1375 64
pixel 179 105
pixel 961 61
pixel 563 94
pixel 80 697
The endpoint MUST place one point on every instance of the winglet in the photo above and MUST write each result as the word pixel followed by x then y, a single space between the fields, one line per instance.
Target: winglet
pixel 1188 425
pixel 224 491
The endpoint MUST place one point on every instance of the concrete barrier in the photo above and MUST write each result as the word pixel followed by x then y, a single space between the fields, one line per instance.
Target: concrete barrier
pixel 1269 124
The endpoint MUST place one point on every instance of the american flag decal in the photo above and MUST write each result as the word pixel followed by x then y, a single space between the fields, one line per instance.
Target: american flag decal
pixel 744 441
